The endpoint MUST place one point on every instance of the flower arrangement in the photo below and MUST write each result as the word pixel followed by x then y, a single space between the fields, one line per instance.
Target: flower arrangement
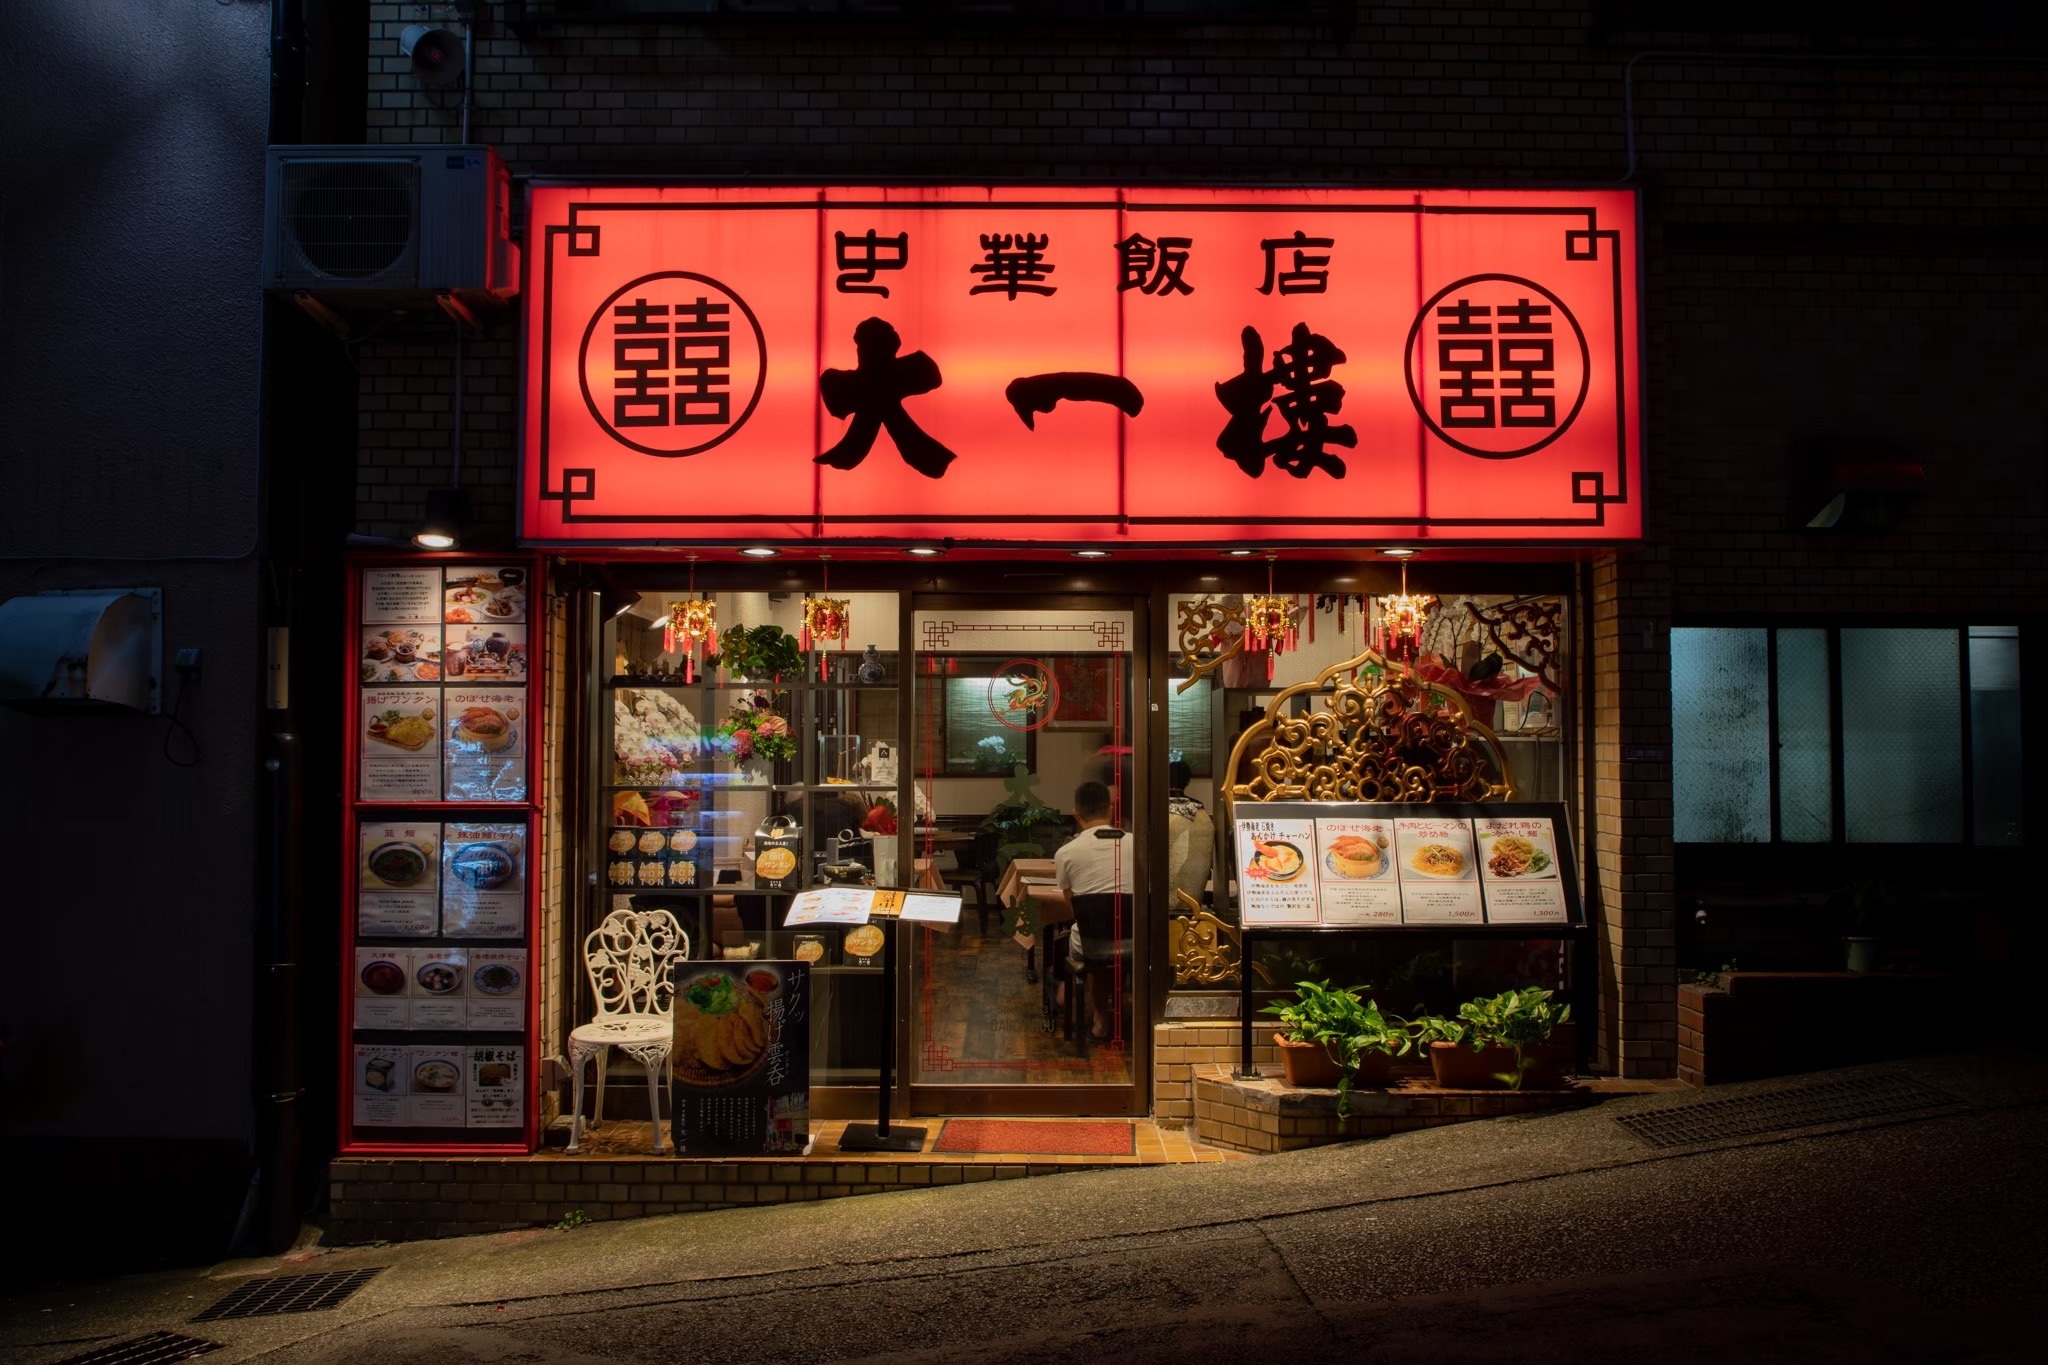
pixel 993 752
pixel 752 729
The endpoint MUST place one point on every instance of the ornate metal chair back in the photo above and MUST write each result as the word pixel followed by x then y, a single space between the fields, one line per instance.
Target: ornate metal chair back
pixel 628 958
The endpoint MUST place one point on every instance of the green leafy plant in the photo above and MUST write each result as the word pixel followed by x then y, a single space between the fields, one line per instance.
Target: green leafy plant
pixel 574 1218
pixel 1517 1020
pixel 1343 1021
pixel 758 652
pixel 1274 965
pixel 1713 979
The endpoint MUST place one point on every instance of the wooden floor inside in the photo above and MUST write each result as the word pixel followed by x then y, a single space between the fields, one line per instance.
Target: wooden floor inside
pixel 1151 1145
pixel 980 1022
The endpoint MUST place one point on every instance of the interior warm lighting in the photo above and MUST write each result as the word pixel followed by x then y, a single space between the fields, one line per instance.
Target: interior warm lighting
pixel 1398 553
pixel 1091 554
pixel 1237 554
pixel 760 552
pixel 923 551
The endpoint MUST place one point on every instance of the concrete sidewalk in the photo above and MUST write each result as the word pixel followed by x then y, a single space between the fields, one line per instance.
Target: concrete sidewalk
pixel 1174 1262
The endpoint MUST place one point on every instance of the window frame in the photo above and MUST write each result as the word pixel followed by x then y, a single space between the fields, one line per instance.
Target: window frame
pixel 1832 627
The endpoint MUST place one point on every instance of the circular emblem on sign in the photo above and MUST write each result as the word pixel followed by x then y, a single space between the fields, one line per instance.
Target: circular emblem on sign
pixel 1023 695
pixel 1497 366
pixel 672 363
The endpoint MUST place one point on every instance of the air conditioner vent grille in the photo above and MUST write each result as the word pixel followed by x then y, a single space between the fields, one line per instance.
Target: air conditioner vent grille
pixel 351 220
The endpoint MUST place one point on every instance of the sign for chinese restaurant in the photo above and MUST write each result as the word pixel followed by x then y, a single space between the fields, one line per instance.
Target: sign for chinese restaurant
pixel 1017 365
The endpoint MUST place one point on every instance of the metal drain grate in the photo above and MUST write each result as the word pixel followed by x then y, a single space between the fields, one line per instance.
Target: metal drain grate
pixel 158 1348
pixel 288 1294
pixel 1803 1106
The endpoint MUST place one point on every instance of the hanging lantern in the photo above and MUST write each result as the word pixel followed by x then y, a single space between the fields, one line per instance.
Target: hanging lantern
pixel 1398 632
pixel 825 618
pixel 691 624
pixel 1271 622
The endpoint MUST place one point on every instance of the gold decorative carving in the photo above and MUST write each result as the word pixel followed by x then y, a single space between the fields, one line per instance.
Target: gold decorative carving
pixel 1202 948
pixel 1206 637
pixel 1381 734
pixel 1526 630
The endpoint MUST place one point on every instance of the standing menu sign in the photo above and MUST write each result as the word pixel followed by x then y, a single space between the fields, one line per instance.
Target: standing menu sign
pixel 1389 865
pixel 740 1064
pixel 440 998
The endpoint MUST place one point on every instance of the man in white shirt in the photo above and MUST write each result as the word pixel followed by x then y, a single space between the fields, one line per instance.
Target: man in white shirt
pixel 1100 861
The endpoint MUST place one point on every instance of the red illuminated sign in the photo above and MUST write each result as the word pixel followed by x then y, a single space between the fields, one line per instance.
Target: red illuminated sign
pixel 1025 365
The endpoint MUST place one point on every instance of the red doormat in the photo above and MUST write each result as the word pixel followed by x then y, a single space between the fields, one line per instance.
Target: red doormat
pixel 1068 1137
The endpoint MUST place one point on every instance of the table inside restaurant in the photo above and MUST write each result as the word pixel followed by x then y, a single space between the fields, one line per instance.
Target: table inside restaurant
pixel 1033 878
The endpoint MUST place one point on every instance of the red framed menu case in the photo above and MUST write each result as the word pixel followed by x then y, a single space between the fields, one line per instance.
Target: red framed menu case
pixel 440 896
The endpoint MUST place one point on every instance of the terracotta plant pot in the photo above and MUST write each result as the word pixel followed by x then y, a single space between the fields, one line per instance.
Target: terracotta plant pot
pixel 1460 1068
pixel 1374 1068
pixel 1308 1066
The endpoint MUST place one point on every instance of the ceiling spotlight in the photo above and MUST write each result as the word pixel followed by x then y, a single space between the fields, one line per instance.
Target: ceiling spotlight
pixel 923 551
pixel 1237 554
pixel 441 527
pixel 760 552
pixel 1398 553
pixel 1090 554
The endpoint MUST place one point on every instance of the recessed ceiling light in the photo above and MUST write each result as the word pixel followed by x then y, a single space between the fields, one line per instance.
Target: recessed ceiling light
pixel 1237 554
pixel 760 552
pixel 1091 554
pixel 923 551
pixel 1398 553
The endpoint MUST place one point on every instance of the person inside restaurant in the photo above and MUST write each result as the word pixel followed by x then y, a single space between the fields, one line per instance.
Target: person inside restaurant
pixel 1190 838
pixel 1095 870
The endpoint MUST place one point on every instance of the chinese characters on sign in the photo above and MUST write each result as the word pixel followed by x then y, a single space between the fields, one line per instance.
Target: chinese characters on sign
pixel 1465 360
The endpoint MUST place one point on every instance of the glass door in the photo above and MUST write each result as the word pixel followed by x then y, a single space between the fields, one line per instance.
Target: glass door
pixel 1025 734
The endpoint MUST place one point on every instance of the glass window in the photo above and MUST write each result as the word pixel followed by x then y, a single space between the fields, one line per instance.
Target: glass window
pixel 1902 771
pixel 977 741
pixel 1995 777
pixel 1720 758
pixel 1806 783
pixel 1187 724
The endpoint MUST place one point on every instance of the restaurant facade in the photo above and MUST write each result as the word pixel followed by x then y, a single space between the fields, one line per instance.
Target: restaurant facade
pixel 850 435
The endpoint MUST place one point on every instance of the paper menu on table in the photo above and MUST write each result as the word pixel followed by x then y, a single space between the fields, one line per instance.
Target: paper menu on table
pixel 1276 861
pixel 831 905
pixel 930 908
pixel 1356 859
pixel 497 988
pixel 383 995
pixel 398 878
pixel 377 1085
pixel 1518 868
pixel 434 1088
pixel 496 1093
pixel 401 752
pixel 437 987
pixel 1433 859
pixel 483 881
pixel 402 597
pixel 485 738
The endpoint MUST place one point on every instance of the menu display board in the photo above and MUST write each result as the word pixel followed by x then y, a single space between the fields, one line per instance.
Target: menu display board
pixel 1277 859
pixel 859 904
pixel 442 661
pixel 1518 865
pixel 740 1063
pixel 440 1010
pixel 1386 865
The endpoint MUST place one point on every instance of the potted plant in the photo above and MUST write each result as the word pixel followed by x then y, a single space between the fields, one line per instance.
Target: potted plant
pixel 758 652
pixel 1495 1040
pixel 1335 1038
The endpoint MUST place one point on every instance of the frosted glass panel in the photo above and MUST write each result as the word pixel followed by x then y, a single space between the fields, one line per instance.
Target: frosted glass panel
pixel 1995 776
pixel 1720 757
pixel 1805 782
pixel 1902 713
pixel 1187 724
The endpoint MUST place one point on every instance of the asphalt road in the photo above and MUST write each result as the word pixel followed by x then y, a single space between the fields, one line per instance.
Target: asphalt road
pixel 1920 1237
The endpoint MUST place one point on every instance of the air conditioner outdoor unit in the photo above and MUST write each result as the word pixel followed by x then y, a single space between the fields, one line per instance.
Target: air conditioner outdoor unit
pixel 372 225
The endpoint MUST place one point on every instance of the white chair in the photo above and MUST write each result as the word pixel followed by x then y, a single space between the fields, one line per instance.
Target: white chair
pixel 628 959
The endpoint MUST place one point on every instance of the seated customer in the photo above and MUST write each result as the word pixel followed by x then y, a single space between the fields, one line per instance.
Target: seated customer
pixel 1097 870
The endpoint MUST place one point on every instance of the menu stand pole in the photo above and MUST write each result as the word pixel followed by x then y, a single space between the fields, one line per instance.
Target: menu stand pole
pixel 1247 1069
pixel 879 1136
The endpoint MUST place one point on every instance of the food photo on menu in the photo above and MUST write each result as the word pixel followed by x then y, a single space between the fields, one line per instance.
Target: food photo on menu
pixel 400 654
pixel 1439 878
pixel 1519 866
pixel 473 596
pixel 485 741
pixel 483 882
pixel 398 879
pixel 484 653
